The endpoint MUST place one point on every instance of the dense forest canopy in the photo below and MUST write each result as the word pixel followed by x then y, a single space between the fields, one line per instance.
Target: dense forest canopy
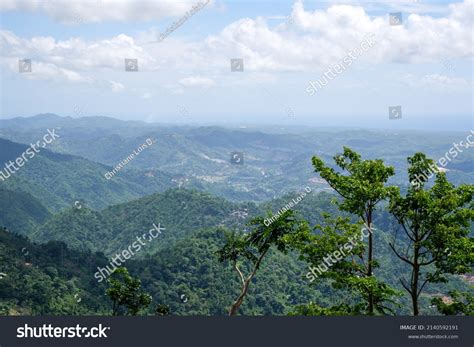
pixel 218 256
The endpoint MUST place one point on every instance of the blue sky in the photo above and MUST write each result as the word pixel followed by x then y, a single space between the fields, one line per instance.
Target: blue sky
pixel 77 51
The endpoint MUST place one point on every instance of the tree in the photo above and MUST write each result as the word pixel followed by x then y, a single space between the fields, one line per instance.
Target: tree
pixel 336 252
pixel 162 310
pixel 251 248
pixel 462 303
pixel 436 223
pixel 361 186
pixel 126 293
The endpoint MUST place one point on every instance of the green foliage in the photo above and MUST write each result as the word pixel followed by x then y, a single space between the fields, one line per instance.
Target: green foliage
pixel 436 223
pixel 48 279
pixel 162 310
pixel 313 309
pixel 254 246
pixel 126 293
pixel 361 186
pixel 462 303
pixel 58 180
pixel 21 212
pixel 190 267
pixel 338 247
pixel 51 278
pixel 179 211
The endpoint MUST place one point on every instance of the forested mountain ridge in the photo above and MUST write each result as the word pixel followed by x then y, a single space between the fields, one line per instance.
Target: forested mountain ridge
pixel 47 279
pixel 179 211
pixel 183 248
pixel 274 158
pixel 58 198
pixel 52 279
pixel 21 211
pixel 59 180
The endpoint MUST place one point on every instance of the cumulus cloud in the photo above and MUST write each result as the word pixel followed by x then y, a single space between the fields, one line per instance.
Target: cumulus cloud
pixel 96 11
pixel 75 52
pixel 73 60
pixel 321 37
pixel 312 41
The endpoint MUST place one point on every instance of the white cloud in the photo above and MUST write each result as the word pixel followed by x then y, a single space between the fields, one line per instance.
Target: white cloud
pixel 73 60
pixel 76 53
pixel 313 41
pixel 317 38
pixel 96 11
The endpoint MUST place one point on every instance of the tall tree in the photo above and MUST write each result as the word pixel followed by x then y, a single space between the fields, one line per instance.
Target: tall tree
pixel 249 250
pixel 436 223
pixel 361 184
pixel 126 293
pixel 335 252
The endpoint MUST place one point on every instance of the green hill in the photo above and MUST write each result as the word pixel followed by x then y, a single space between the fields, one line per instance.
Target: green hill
pixel 59 180
pixel 20 211
pixel 51 279
pixel 179 211
pixel 47 279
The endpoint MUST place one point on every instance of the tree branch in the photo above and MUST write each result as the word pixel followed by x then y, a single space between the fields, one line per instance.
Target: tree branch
pixel 404 286
pixel 428 262
pixel 421 288
pixel 399 256
pixel 240 273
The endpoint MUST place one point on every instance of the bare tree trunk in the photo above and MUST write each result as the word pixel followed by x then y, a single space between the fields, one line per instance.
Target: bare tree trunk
pixel 236 305
pixel 415 278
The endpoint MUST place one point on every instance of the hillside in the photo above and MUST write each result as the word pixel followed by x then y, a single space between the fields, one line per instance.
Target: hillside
pixel 60 280
pixel 59 180
pixel 179 211
pixel 47 279
pixel 21 211
pixel 275 158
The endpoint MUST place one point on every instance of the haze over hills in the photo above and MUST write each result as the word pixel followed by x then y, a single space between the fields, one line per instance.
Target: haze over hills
pixel 199 157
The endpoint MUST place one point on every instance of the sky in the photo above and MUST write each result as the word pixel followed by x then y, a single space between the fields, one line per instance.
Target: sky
pixel 418 70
